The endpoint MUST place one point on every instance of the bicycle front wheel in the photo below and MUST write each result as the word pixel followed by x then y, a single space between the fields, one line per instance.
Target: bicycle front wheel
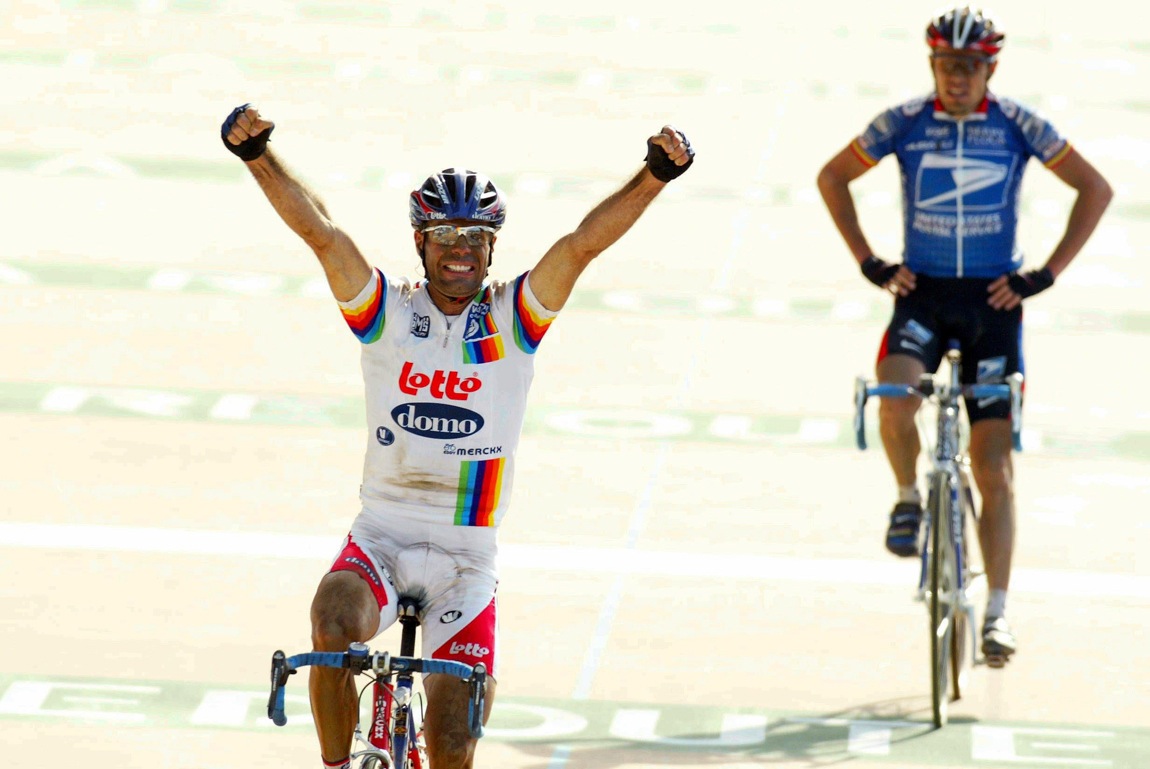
pixel 961 647
pixel 942 596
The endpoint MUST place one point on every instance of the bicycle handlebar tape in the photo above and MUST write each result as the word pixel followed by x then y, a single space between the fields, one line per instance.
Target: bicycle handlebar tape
pixel 250 148
pixel 660 164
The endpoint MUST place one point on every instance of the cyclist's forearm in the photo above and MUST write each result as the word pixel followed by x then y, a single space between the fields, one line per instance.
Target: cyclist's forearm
pixel 1084 216
pixel 298 207
pixel 616 214
pixel 840 205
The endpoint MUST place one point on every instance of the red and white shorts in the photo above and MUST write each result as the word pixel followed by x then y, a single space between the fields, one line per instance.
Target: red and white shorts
pixel 450 570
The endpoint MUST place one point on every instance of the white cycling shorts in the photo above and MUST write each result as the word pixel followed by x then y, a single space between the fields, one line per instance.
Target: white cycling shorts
pixel 449 569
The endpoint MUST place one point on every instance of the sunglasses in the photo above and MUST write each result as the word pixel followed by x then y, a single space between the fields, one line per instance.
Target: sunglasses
pixel 449 234
pixel 955 65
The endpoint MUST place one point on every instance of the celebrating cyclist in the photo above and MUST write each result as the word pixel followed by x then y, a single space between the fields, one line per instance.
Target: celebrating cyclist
pixel 961 151
pixel 447 363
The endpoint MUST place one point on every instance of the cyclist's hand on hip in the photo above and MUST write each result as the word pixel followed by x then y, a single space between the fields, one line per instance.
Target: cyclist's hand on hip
pixel 1008 291
pixel 245 133
pixel 895 278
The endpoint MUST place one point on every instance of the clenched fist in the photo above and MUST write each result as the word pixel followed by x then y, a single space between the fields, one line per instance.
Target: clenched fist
pixel 245 133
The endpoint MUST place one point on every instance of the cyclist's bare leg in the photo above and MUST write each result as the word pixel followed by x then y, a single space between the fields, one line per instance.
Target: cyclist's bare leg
pixel 344 610
pixel 993 470
pixel 896 417
pixel 449 742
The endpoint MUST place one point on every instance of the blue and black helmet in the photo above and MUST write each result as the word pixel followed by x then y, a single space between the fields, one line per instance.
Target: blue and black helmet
pixel 456 193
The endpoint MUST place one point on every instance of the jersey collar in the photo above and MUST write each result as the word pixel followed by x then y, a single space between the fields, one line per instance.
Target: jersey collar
pixel 980 113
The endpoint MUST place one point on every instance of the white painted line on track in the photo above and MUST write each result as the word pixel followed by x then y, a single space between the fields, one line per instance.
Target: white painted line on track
pixel 845 572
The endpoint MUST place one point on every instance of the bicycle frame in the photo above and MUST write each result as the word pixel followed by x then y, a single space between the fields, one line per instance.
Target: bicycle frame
pixel 392 733
pixel 945 575
pixel 391 740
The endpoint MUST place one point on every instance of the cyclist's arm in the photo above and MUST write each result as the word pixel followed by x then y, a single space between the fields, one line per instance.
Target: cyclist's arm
pixel 834 185
pixel 1094 194
pixel 301 209
pixel 553 278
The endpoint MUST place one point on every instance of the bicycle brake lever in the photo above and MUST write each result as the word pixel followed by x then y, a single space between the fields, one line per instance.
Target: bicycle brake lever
pixel 860 412
pixel 478 689
pixel 280 674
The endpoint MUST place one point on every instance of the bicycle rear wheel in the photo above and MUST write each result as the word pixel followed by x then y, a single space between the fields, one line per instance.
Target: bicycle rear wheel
pixel 942 597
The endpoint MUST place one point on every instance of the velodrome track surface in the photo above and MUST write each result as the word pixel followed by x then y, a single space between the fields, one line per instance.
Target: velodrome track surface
pixel 692 567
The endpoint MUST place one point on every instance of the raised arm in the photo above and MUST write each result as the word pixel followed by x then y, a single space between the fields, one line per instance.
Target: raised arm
pixel 669 154
pixel 246 135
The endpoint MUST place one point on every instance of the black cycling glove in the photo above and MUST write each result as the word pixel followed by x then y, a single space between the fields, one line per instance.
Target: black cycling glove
pixel 250 148
pixel 662 167
pixel 1032 282
pixel 878 271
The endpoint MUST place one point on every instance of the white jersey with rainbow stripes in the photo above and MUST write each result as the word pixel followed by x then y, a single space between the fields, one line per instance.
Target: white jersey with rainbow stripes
pixel 446 397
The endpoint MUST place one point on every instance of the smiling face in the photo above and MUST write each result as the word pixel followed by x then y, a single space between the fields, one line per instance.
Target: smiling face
pixel 455 263
pixel 960 79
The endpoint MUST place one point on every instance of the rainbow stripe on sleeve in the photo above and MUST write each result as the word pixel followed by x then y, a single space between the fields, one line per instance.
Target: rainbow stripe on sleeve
pixel 480 486
pixel 366 318
pixel 530 326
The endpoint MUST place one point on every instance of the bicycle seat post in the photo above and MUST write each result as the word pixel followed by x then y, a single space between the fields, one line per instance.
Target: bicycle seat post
pixel 409 619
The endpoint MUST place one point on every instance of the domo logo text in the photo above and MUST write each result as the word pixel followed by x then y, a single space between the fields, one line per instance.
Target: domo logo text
pixel 437 420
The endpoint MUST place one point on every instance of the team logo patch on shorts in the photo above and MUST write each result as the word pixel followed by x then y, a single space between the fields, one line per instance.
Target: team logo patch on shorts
pixel 472 643
pixel 917 332
pixel 353 559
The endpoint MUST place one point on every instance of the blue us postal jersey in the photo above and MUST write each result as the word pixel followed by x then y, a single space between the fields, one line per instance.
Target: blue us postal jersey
pixel 961 180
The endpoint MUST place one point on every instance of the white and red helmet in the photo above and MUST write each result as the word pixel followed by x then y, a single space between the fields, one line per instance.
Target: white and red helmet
pixel 962 29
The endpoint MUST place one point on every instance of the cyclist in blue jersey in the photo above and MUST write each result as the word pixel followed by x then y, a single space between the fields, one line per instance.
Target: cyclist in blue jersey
pixel 961 151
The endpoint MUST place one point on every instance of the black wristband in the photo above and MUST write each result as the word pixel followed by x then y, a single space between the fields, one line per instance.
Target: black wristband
pixel 661 165
pixel 878 271
pixel 250 148
pixel 1027 284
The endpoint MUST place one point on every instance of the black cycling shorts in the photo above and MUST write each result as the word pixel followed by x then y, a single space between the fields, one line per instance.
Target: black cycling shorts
pixel 940 309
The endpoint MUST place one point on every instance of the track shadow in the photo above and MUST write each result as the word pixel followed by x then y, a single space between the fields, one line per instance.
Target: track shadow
pixel 829 739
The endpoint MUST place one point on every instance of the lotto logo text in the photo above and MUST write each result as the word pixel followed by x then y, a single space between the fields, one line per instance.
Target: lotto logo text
pixel 441 384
